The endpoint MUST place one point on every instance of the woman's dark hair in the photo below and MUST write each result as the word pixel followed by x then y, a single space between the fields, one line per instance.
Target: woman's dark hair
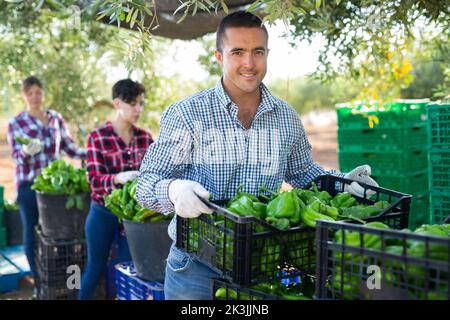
pixel 238 19
pixel 31 81
pixel 127 90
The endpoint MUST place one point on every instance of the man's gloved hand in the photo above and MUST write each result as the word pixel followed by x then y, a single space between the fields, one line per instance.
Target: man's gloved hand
pixel 360 174
pixel 185 194
pixel 124 177
pixel 33 147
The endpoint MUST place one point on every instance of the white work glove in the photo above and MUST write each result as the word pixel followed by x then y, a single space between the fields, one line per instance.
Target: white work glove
pixel 33 147
pixel 360 174
pixel 185 194
pixel 124 177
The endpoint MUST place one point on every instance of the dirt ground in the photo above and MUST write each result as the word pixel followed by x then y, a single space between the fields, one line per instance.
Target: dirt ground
pixel 320 128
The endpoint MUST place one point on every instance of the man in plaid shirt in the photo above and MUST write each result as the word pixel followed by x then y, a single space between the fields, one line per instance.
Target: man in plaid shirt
pixel 48 136
pixel 210 143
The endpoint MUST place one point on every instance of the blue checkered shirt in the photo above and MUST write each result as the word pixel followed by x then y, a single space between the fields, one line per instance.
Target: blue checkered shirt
pixel 201 139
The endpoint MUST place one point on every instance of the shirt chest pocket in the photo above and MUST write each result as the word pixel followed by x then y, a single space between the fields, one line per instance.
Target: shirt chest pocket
pixel 112 159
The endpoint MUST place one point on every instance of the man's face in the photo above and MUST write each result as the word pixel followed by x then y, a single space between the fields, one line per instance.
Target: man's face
pixel 129 111
pixel 243 59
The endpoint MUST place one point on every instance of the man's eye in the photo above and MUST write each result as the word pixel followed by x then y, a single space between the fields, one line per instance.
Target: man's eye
pixel 237 53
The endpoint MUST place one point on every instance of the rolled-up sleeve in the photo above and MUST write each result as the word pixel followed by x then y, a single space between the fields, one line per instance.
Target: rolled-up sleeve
pixel 164 161
pixel 100 180
pixel 18 155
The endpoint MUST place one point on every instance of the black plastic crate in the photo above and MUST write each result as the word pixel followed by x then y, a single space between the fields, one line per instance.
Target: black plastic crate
pixel 407 266
pixel 234 291
pixel 58 278
pixel 57 255
pixel 45 292
pixel 246 250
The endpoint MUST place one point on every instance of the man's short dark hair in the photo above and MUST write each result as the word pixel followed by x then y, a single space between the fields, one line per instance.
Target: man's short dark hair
pixel 31 81
pixel 238 19
pixel 127 90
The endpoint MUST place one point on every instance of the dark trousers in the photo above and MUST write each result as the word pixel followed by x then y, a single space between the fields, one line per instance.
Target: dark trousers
pixel 26 198
pixel 101 228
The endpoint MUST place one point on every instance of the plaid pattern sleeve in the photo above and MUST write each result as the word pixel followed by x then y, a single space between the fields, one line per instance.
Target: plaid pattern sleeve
pixel 107 155
pixel 157 168
pixel 17 152
pixel 100 180
pixel 67 143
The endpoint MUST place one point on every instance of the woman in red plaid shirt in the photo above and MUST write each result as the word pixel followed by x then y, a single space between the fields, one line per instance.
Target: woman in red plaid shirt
pixel 48 136
pixel 115 152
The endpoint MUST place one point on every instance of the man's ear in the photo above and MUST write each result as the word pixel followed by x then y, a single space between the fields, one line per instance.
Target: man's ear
pixel 218 56
pixel 115 103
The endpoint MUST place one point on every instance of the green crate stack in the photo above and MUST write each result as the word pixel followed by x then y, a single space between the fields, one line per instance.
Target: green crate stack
pixel 373 114
pixel 386 163
pixel 439 160
pixel 2 219
pixel 392 139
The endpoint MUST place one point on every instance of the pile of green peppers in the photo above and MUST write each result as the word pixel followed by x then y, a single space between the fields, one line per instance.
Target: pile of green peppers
pixel 298 207
pixel 347 275
pixel 293 291
pixel 122 203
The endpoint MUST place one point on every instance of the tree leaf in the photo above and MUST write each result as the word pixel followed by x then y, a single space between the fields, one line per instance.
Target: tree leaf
pixel 224 6
pixel 133 19
pixel 181 7
pixel 318 3
pixel 130 13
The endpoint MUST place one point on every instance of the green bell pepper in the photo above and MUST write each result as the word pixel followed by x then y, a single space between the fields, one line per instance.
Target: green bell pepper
pixel 309 216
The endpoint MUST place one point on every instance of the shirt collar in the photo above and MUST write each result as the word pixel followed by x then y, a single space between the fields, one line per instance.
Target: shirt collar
pixel 109 128
pixel 268 101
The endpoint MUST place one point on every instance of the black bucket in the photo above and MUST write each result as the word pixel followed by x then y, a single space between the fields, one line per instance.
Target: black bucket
pixel 56 221
pixel 149 246
pixel 13 224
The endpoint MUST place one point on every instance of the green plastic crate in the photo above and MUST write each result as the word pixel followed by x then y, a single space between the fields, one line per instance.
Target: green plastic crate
pixel 386 162
pixel 440 206
pixel 362 115
pixel 416 183
pixel 382 138
pixel 2 237
pixel 439 167
pixel 419 211
pixel 438 126
pixel 2 199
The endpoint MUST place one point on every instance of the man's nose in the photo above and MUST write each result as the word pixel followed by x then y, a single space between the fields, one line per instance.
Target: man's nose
pixel 248 60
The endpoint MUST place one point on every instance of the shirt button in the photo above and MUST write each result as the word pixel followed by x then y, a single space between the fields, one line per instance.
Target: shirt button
pixel 129 152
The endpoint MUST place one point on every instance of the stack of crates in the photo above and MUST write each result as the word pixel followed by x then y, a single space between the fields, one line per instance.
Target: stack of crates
pixel 59 264
pixel 439 160
pixel 392 139
pixel 130 287
pixel 2 219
